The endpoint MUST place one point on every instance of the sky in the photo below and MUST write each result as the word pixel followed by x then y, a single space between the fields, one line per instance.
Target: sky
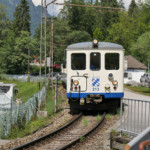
pixel 54 9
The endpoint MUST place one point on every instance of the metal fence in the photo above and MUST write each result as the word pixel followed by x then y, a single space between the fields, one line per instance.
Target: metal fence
pixel 24 78
pixel 135 115
pixel 19 114
pixel 137 142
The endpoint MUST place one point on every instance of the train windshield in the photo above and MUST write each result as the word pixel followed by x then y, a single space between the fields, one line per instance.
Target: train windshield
pixel 78 61
pixel 95 59
pixel 112 61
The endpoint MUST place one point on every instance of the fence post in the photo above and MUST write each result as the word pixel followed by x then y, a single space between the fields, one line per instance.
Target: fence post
pixel 121 114
pixel 11 113
pixel 56 92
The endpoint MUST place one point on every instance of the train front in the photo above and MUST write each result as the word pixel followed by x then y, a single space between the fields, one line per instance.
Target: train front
pixel 94 75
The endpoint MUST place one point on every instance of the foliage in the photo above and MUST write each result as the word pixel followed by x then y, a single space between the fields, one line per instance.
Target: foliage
pixel 22 18
pixel 132 8
pixel 5 37
pixel 18 56
pixel 85 121
pixel 126 31
pixel 98 34
pixel 98 117
pixel 109 116
pixel 82 138
pixel 141 48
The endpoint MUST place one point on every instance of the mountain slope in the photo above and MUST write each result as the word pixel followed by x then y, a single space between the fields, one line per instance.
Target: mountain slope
pixel 35 12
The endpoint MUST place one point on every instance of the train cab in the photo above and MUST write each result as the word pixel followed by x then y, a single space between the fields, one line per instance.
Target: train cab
pixel 94 74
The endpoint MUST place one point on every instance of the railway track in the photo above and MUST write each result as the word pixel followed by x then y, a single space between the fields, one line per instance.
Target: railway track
pixel 65 136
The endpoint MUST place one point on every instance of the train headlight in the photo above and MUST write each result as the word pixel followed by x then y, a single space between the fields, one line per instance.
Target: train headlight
pixel 115 83
pixel 95 43
pixel 76 82
pixel 107 86
pixel 110 76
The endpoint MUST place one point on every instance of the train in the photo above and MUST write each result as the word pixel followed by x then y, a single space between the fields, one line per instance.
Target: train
pixel 95 73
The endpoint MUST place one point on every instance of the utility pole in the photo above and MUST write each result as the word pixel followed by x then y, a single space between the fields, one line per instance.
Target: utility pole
pixel 28 65
pixel 41 36
pixel 45 49
pixel 52 49
pixel 51 55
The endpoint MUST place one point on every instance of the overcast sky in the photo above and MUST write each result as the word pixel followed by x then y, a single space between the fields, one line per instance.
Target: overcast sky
pixel 54 9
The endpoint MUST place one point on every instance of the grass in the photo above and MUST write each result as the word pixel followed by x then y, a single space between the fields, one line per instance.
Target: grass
pixel 109 116
pixel 85 121
pixel 141 90
pixel 26 129
pixel 82 138
pixel 36 123
pixel 25 89
pixel 98 117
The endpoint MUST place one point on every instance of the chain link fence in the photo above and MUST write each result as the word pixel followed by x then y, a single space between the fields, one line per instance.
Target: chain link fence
pixel 23 78
pixel 12 113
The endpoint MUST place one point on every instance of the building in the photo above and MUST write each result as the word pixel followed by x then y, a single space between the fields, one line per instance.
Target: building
pixel 135 69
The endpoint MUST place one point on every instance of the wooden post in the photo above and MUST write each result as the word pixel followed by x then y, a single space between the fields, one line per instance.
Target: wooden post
pixel 56 92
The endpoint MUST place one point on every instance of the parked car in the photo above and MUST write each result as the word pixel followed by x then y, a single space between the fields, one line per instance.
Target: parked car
pixel 145 77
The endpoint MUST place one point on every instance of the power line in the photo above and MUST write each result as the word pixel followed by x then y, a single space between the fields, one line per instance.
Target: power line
pixel 115 8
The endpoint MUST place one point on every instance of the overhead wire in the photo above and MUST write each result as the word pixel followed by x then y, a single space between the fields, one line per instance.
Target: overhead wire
pixel 92 6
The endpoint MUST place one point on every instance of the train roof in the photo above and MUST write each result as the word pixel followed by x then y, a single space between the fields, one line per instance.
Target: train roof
pixel 89 45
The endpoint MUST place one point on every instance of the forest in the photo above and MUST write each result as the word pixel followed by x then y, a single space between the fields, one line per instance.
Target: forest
pixel 130 28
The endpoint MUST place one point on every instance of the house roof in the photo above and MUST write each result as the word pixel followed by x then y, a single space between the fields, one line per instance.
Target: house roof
pixel 134 63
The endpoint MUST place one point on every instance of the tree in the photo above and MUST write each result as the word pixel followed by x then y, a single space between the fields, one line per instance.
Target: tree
pixel 5 35
pixel 132 8
pixel 18 56
pixel 98 34
pixel 75 15
pixel 108 17
pixel 21 18
pixel 126 31
pixel 121 4
pixel 141 48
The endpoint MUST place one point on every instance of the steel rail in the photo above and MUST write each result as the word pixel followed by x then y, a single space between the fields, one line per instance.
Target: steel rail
pixel 84 135
pixel 33 142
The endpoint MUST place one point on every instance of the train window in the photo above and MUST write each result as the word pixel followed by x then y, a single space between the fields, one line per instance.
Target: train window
pixel 78 61
pixel 112 61
pixel 95 60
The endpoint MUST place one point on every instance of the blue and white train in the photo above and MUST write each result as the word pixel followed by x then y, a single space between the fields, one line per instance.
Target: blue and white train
pixel 94 75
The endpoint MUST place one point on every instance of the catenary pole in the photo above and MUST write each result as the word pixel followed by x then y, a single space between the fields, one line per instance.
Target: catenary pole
pixel 41 36
pixel 45 46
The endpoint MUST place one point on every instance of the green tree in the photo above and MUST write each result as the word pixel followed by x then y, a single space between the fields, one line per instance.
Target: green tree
pixel 22 18
pixel 98 34
pixel 18 56
pixel 4 37
pixel 145 13
pixel 108 17
pixel 126 31
pixel 141 48
pixel 121 4
pixel 75 15
pixel 132 8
